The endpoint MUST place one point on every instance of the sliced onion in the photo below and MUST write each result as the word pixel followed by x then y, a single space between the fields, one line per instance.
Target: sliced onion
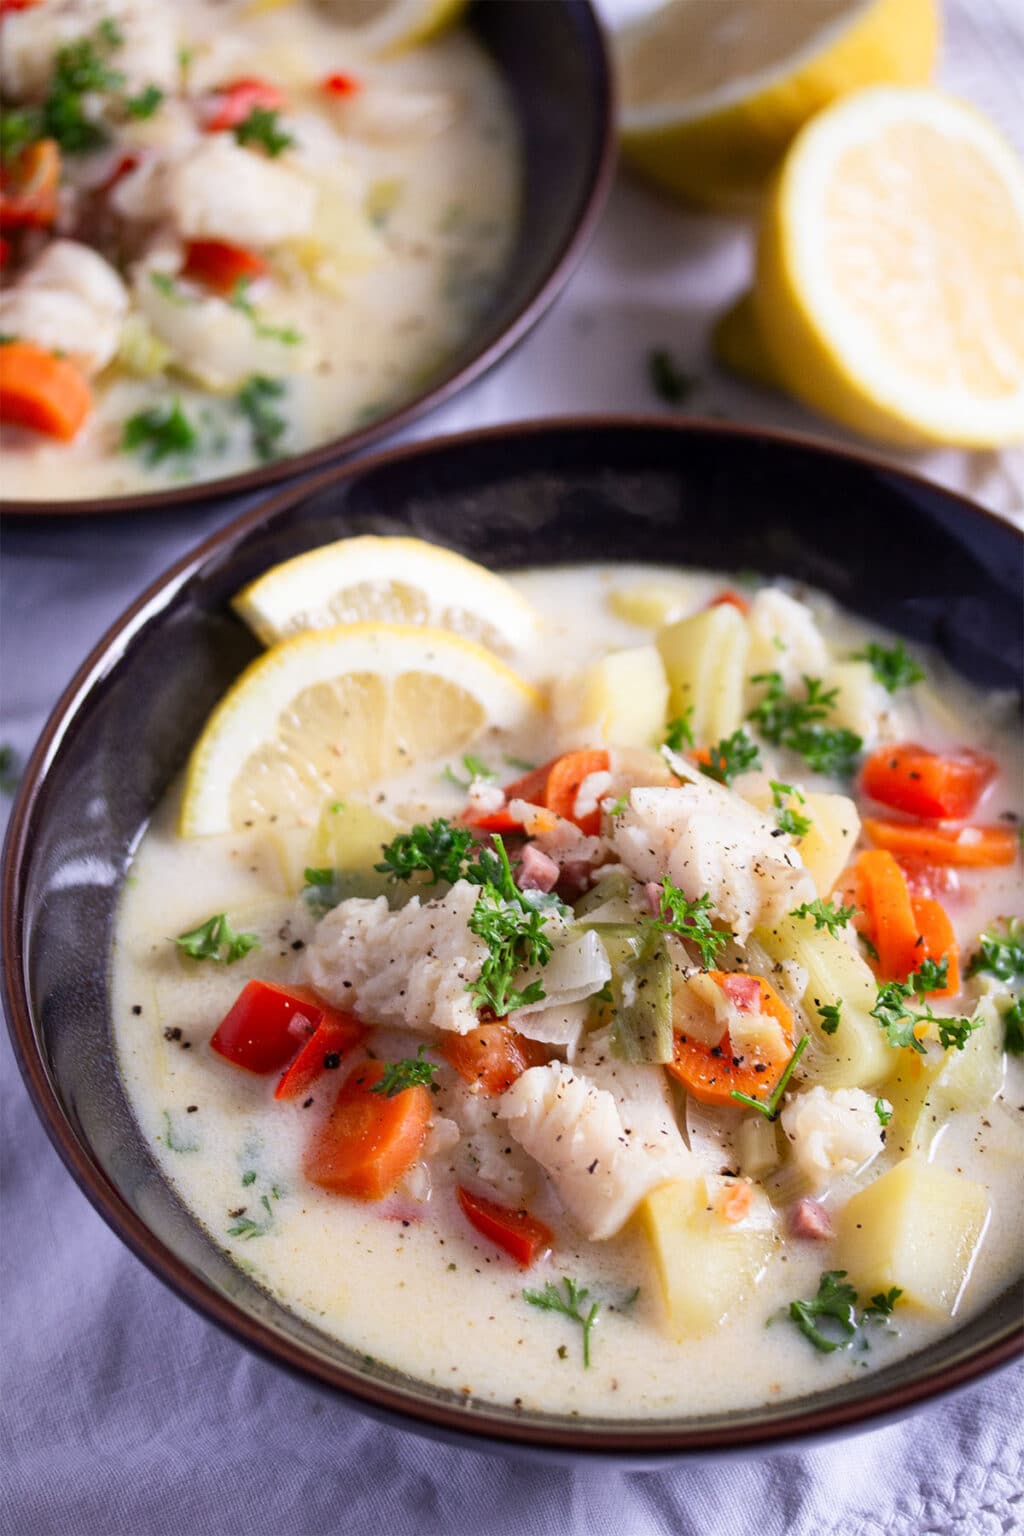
pixel 576 970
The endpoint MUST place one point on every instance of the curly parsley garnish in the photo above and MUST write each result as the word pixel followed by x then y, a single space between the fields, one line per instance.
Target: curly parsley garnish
pixel 412 1072
pixel 786 819
pixel 831 1016
pixel 145 103
pixel 797 724
pixel 441 851
pixel 162 432
pixel 825 914
pixel 570 1305
pixel 1000 951
pixel 893 666
pixel 1013 1027
pixel 898 1020
pixel 730 757
pixel 830 1321
pixel 475 768
pixel 255 401
pixel 217 940
pixel 689 920
pixel 679 733
pixel 515 939
pixel 770 1107
pixel 263 128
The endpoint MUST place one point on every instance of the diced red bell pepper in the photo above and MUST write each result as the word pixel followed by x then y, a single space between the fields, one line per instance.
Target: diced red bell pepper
pixel 516 1232
pixel 940 787
pixel 336 1035
pixel 266 1026
pixel 231 104
pixel 340 84
pixel 222 266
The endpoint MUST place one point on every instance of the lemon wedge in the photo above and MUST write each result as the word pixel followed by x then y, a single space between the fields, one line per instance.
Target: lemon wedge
pixel 395 581
pixel 712 94
pixel 889 291
pixel 382 26
pixel 336 711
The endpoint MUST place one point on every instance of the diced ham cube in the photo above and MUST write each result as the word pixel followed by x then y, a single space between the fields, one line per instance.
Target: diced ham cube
pixel 809 1218
pixel 537 872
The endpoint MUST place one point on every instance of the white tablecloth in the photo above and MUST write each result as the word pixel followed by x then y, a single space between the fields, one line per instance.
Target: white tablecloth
pixel 122 1413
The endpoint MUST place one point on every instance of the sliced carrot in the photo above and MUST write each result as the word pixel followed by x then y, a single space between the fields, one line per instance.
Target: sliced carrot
pixel 922 783
pixel 222 266
pixel 517 1232
pixel 532 786
pixel 41 391
pixel 937 942
pixel 711 1073
pixel 733 598
pixel 893 927
pixel 336 1035
pixel 492 1055
pixel 735 1201
pixel 29 187
pixel 369 1141
pixel 966 847
pixel 564 780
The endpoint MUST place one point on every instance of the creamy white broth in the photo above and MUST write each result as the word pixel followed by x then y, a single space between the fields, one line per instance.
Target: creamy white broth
pixel 432 215
pixel 407 1281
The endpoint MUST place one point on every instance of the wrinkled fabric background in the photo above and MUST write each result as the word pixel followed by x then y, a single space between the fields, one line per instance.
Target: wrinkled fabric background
pixel 124 1414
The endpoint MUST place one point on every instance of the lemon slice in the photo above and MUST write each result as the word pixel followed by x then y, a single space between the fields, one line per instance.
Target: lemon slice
pixel 889 291
pixel 712 94
pixel 397 581
pixel 338 710
pixel 382 26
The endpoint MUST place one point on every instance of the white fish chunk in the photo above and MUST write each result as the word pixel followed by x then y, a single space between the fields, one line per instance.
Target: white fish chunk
pixel 146 55
pixel 217 190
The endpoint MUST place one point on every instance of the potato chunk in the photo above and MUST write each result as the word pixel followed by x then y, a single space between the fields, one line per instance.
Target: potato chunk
pixel 618 701
pixel 918 1227
pixel 704 657
pixel 706 1265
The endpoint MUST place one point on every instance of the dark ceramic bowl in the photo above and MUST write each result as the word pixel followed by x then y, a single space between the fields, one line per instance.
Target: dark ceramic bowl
pixel 554 63
pixel 890 547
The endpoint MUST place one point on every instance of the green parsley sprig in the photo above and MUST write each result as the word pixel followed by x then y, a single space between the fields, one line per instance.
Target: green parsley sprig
pixel 162 432
pixel 217 940
pixel 829 1319
pixel 475 768
pixel 1000 951
pixel 786 819
pixel 898 1019
pixel 262 128
pixel 679 732
pixel 798 724
pixel 255 402
pixel 830 1015
pixel 893 666
pixel 825 914
pixel 412 1072
pixel 571 1305
pixel 730 757
pixel 691 921
pixel 515 940
pixel 239 299
pixel 770 1107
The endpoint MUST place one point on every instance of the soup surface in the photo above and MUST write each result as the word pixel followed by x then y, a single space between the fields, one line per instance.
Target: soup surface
pixel 253 235
pixel 871 1167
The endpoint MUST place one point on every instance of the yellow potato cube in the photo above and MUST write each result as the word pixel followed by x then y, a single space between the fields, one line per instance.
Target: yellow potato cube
pixel 705 658
pixel 918 1227
pixel 706 1265
pixel 649 604
pixel 619 700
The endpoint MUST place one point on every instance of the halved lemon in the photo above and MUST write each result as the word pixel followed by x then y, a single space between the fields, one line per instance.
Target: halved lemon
pixel 338 710
pixel 383 26
pixel 714 90
pixel 889 291
pixel 396 581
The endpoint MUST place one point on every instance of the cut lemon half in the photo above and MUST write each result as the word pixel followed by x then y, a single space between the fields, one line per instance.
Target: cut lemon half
pixel 714 90
pixel 395 581
pixel 889 291
pixel 382 26
pixel 338 710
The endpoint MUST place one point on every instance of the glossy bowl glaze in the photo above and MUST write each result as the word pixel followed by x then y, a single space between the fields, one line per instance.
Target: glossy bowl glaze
pixel 893 548
pixel 553 60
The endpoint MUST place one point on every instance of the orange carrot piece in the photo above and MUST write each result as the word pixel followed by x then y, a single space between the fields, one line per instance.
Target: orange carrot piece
pixel 41 391
pixel 938 942
pixel 711 1073
pixel 886 898
pixel 564 780
pixel 735 1202
pixel 966 847
pixel 369 1140
pixel 493 1055
pixel 29 187
pixel 733 598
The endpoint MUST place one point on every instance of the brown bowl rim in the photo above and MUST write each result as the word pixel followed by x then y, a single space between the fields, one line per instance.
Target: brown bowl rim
pixel 336 450
pixel 475 1423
